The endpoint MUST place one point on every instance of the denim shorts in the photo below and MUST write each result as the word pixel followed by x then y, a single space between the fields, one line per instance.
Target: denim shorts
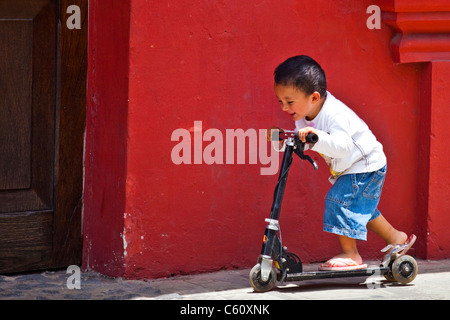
pixel 352 202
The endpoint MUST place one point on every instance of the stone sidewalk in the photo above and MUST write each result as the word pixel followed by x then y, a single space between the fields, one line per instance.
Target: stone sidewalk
pixel 432 282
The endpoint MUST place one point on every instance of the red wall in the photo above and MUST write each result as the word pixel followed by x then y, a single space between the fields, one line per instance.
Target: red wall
pixel 213 61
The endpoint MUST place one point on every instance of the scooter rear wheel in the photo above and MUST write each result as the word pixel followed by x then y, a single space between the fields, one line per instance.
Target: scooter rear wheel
pixel 257 283
pixel 404 269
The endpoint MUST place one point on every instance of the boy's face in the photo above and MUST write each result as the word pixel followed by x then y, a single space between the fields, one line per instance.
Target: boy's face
pixel 297 103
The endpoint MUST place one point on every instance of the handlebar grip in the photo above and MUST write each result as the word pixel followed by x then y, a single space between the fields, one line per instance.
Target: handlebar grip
pixel 312 138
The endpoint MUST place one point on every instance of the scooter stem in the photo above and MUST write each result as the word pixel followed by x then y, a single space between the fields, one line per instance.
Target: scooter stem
pixel 282 178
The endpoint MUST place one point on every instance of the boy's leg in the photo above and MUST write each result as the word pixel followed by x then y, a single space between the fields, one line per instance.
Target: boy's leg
pixel 348 259
pixel 349 249
pixel 385 230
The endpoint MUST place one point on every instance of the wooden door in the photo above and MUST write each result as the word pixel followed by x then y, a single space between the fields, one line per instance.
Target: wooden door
pixel 42 118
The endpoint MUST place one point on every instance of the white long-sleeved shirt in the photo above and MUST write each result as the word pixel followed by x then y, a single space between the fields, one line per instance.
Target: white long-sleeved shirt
pixel 345 141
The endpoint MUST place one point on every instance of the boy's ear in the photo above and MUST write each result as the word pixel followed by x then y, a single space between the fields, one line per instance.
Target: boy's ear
pixel 315 97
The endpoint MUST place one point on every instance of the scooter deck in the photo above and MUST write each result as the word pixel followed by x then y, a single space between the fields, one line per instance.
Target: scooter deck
pixel 311 275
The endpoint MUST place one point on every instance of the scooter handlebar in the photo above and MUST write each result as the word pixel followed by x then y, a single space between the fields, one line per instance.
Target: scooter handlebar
pixel 312 138
pixel 278 134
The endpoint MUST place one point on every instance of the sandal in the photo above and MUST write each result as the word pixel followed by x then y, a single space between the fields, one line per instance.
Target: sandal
pixel 341 264
pixel 397 249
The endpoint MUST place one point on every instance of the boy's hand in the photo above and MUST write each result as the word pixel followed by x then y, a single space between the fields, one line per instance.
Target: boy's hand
pixel 269 137
pixel 303 132
pixel 271 131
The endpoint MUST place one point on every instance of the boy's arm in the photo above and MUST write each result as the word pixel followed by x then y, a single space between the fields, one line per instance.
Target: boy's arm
pixel 335 144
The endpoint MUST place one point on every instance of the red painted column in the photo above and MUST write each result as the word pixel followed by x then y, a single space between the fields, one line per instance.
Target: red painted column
pixel 434 186
pixel 423 36
pixel 106 137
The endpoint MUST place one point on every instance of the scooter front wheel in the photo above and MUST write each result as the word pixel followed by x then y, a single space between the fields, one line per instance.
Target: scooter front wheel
pixel 257 283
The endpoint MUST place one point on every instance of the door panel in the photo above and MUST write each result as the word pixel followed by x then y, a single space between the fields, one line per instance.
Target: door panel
pixel 15 104
pixel 26 241
pixel 36 164
pixel 27 106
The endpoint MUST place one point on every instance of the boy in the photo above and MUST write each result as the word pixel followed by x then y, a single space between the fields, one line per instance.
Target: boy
pixel 355 157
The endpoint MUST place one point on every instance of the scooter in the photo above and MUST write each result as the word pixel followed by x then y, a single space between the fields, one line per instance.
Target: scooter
pixel 275 263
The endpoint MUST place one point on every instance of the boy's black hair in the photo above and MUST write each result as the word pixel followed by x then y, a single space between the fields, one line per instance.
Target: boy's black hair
pixel 303 73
